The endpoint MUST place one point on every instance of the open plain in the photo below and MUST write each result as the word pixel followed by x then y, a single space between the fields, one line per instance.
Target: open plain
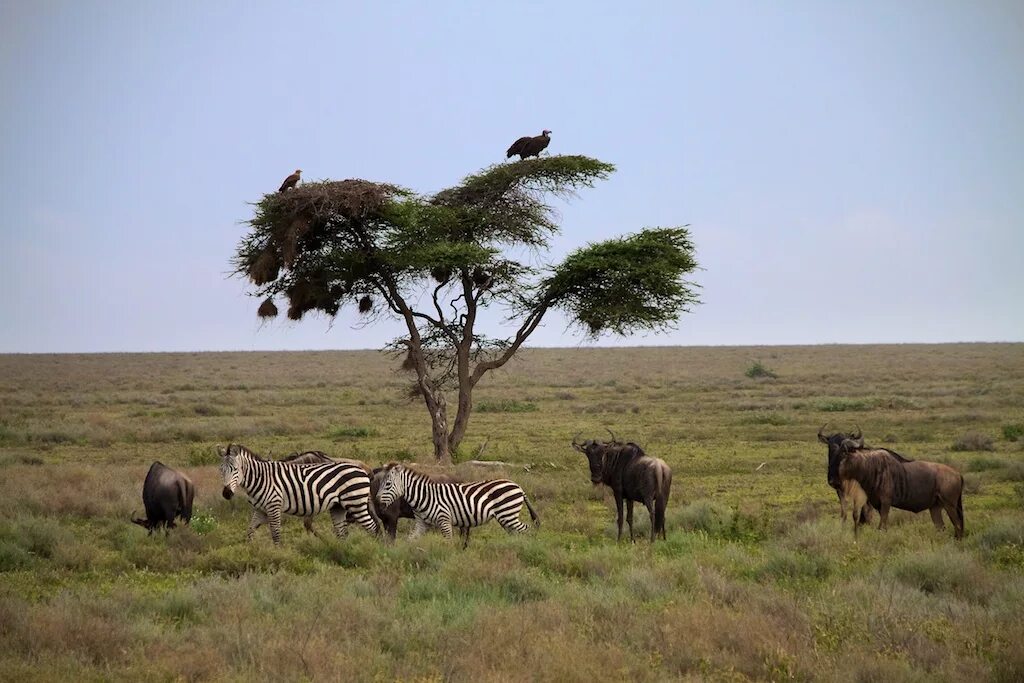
pixel 757 580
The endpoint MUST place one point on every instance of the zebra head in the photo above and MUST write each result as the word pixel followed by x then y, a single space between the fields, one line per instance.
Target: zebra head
pixel 393 486
pixel 229 469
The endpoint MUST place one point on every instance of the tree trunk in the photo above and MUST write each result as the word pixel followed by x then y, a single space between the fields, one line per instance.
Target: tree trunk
pixel 438 410
pixel 461 417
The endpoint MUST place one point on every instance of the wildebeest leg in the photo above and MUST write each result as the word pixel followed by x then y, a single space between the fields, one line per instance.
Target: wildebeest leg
pixel 258 519
pixel 842 505
pixel 618 514
pixel 629 518
pixel 419 529
pixel 649 504
pixel 883 516
pixel 936 511
pixel 955 517
pixel 339 518
pixel 307 523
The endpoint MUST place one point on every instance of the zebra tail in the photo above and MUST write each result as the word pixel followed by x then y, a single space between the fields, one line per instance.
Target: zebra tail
pixel 533 513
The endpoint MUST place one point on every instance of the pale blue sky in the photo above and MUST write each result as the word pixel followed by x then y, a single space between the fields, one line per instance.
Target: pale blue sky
pixel 853 172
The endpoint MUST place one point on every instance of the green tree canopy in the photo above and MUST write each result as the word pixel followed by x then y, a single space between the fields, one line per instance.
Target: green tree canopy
pixel 325 245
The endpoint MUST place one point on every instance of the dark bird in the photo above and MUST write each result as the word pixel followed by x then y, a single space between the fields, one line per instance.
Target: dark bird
pixel 291 181
pixel 529 147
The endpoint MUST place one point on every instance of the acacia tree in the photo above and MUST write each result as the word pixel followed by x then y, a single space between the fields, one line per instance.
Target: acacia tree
pixel 437 262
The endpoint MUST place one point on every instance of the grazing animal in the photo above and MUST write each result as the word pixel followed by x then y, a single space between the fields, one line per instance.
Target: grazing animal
pixel 632 476
pixel 291 181
pixel 447 505
pixel 166 494
pixel 527 146
pixel 400 508
pixel 319 458
pixel 834 441
pixel 274 488
pixel 890 480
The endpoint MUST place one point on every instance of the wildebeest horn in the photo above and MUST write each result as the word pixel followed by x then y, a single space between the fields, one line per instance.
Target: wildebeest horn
pixel 137 520
pixel 821 433
pixel 615 439
pixel 858 435
pixel 575 445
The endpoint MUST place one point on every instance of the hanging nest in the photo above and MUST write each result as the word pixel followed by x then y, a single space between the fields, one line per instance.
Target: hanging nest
pixel 265 268
pixel 441 274
pixel 409 363
pixel 365 304
pixel 301 298
pixel 414 391
pixel 267 309
pixel 481 279
pixel 292 242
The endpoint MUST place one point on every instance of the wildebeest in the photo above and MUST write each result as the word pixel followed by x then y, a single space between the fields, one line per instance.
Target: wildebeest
pixel 166 494
pixel 632 476
pixel 833 441
pixel 398 509
pixel 528 146
pixel 890 480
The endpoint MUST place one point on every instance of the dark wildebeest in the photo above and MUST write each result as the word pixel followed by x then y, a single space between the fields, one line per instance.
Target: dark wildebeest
pixel 166 494
pixel 833 442
pixel 888 479
pixel 632 476
pixel 319 458
pixel 400 508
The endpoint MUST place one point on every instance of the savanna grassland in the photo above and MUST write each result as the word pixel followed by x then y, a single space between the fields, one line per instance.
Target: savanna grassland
pixel 757 580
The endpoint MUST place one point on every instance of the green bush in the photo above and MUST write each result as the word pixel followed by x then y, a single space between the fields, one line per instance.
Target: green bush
pixel 203 523
pixel 506 406
pixel 200 456
pixel 351 432
pixel 1013 432
pixel 712 518
pixel 758 371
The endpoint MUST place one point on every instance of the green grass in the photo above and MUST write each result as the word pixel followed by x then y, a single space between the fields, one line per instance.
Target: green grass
pixel 757 580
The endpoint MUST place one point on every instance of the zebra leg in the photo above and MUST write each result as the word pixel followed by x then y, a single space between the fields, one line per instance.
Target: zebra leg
pixel 464 532
pixel 445 525
pixel 419 529
pixel 258 519
pixel 274 519
pixel 364 516
pixel 340 519
pixel 510 522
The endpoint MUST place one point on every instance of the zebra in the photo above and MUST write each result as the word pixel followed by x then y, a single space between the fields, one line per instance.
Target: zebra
pixel 301 490
pixel 447 505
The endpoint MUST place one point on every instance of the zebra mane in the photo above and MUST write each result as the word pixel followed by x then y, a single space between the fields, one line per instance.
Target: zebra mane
pixel 248 451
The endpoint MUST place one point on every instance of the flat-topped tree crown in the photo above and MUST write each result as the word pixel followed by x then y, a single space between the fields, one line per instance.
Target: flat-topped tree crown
pixel 379 247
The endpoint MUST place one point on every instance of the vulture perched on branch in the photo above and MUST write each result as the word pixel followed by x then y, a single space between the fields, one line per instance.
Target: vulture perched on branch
pixel 529 147
pixel 291 181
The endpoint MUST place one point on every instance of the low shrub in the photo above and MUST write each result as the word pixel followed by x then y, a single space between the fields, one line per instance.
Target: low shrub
pixel 506 406
pixel 708 516
pixel 758 371
pixel 1013 432
pixel 351 432
pixel 974 441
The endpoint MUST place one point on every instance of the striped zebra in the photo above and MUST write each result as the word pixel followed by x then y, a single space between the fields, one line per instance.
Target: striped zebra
pixel 274 488
pixel 447 505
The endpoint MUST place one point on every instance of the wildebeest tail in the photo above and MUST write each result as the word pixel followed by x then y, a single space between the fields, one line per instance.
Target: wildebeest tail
pixel 185 495
pixel 533 513
pixel 960 503
pixel 664 482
